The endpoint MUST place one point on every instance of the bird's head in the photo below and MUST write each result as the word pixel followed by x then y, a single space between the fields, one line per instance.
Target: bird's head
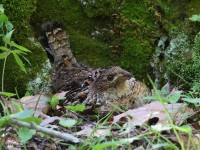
pixel 110 78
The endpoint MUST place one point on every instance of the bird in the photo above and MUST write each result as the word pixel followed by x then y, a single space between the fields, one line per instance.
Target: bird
pixel 104 87
pixel 115 86
pixel 67 73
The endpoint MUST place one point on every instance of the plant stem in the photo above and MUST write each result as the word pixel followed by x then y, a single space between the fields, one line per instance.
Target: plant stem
pixel 170 121
pixel 2 79
pixel 65 136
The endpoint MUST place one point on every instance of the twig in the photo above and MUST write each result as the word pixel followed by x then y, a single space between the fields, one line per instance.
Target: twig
pixel 38 101
pixel 82 117
pixel 64 136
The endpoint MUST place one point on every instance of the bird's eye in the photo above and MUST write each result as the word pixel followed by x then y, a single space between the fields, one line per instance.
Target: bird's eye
pixel 64 56
pixel 90 78
pixel 110 77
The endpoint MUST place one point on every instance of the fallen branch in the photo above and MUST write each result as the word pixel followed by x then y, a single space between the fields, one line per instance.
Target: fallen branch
pixel 64 136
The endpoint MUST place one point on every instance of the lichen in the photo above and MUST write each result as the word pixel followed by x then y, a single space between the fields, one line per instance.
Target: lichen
pixel 42 82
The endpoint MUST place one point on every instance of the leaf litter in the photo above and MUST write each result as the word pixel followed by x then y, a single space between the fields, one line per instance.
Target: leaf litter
pixel 132 122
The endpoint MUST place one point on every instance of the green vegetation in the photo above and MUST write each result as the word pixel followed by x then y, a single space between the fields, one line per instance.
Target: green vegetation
pixel 10 47
pixel 19 13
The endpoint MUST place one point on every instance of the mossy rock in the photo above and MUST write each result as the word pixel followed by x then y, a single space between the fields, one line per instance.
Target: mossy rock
pixel 89 51
pixel 94 50
pixel 80 27
pixel 19 13
pixel 139 32
pixel 102 33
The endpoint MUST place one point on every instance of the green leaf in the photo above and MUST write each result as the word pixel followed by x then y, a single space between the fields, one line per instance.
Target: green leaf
pixel 195 18
pixel 55 101
pixel 164 92
pixel 1 9
pixel 32 119
pixel 3 18
pixel 28 91
pixel 19 62
pixel 175 97
pixel 21 53
pixel 72 147
pixel 78 107
pixel 3 120
pixel 7 94
pixel 16 51
pixel 157 98
pixel 67 123
pixel 164 100
pixel 191 100
pixel 23 114
pixel 7 37
pixel 26 59
pixel 12 43
pixel 2 55
pixel 25 134
pixel 113 144
pixel 9 26
pixel 4 48
pixel 163 146
pixel 184 128
pixel 17 106
pixel 79 121
pixel 150 98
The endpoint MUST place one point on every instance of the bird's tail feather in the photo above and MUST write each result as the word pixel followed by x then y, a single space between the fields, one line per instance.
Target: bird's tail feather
pixel 56 43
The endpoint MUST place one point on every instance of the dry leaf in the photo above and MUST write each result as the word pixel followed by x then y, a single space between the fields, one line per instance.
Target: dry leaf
pixel 30 102
pixel 154 110
pixel 89 129
pixel 49 120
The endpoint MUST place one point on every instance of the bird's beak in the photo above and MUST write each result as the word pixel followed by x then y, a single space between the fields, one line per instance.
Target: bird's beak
pixel 126 74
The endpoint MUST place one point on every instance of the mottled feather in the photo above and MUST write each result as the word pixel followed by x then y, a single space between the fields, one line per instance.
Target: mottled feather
pixel 90 86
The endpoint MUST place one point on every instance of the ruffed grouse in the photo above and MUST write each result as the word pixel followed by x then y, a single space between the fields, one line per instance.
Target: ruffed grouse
pixel 115 86
pixel 104 87
pixel 67 73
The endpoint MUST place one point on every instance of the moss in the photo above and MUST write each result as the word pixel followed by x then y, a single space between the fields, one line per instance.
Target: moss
pixel 181 62
pixel 79 26
pixel 69 12
pixel 194 66
pixel 88 50
pixel 19 13
pixel 134 57
pixel 105 8
pixel 192 8
pixel 139 32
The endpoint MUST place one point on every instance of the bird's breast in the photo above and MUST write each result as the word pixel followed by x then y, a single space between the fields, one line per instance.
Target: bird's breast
pixel 118 92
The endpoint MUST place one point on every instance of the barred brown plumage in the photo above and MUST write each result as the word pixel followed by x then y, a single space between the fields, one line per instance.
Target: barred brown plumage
pixel 89 86
pixel 67 73
pixel 115 86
